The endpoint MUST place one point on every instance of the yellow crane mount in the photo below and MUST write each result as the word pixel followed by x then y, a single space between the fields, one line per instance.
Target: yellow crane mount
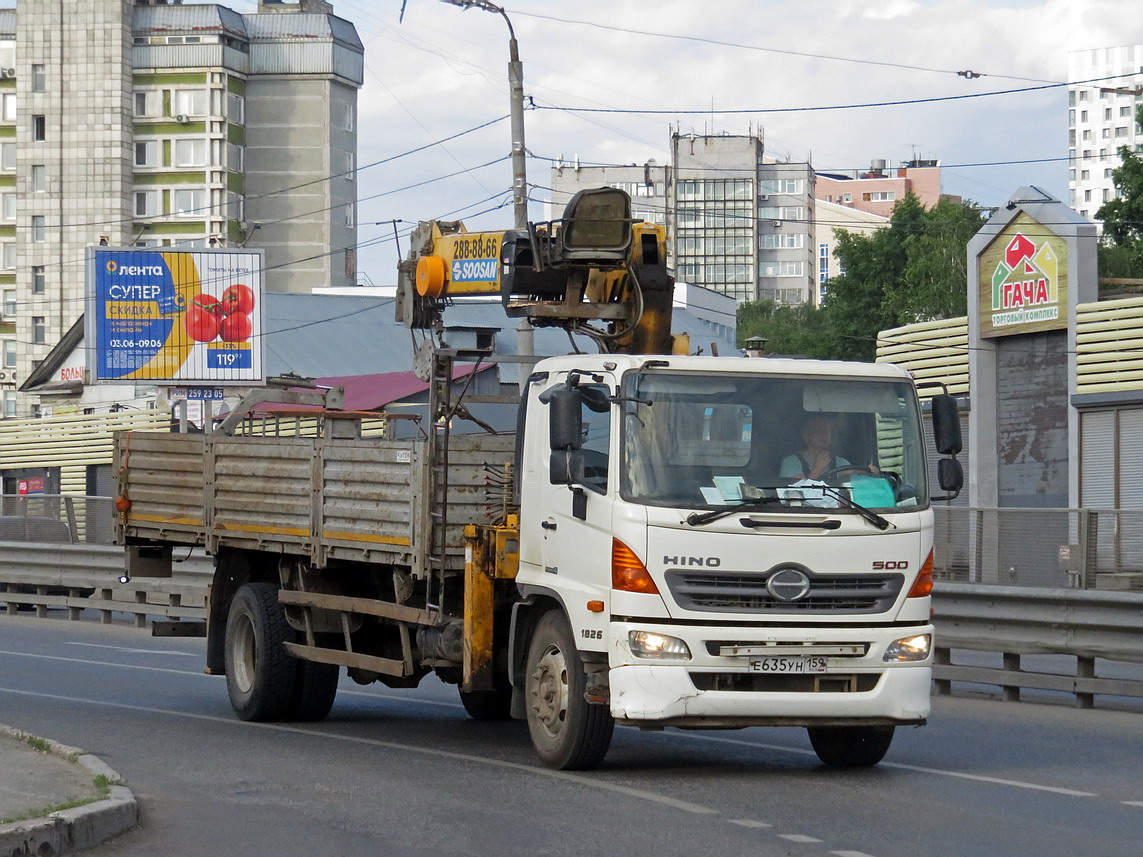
pixel 592 265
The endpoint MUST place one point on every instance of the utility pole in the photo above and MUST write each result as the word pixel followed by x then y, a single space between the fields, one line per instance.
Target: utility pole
pixel 516 93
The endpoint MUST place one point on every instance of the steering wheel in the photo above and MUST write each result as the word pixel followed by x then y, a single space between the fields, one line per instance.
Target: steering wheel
pixel 893 479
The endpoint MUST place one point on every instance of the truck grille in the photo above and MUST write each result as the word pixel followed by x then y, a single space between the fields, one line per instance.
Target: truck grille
pixel 754 683
pixel 746 593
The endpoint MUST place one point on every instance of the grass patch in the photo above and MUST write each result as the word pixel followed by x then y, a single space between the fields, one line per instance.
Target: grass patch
pixel 38 744
pixel 102 791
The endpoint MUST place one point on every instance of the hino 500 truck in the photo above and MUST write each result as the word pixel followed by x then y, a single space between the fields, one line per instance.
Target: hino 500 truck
pixel 638 551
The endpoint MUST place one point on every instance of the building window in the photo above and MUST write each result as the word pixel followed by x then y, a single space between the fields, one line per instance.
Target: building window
pixel 39 178
pixel 39 228
pixel 39 128
pixel 1120 132
pixel 236 207
pixel 190 153
pixel 8 206
pixel 39 330
pixel 9 302
pixel 9 403
pixel 9 256
pixel 1087 136
pixel 782 241
pixel 147 203
pixel 350 165
pixel 39 77
pixel 9 106
pixel 148 103
pixel 1107 114
pixel 235 157
pixel 1083 115
pixel 190 203
pixel 1087 195
pixel 9 354
pixel 1085 175
pixel 350 215
pixel 1124 111
pixel 879 196
pixel 147 153
pixel 236 108
pixel 189 102
pixel 39 279
pixel 348 116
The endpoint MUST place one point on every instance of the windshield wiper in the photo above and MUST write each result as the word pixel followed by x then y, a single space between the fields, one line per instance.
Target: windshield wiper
pixel 878 521
pixel 696 519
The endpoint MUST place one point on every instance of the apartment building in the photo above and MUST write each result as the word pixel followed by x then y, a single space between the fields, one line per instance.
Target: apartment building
pixel 738 221
pixel 879 188
pixel 167 124
pixel 1103 100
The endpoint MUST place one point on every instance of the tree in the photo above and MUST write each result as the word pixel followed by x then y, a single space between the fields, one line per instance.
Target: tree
pixel 915 269
pixel 790 330
pixel 1121 247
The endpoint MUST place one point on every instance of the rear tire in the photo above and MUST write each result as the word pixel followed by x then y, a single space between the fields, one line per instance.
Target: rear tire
pixel 314 691
pixel 261 678
pixel 488 704
pixel 851 746
pixel 568 733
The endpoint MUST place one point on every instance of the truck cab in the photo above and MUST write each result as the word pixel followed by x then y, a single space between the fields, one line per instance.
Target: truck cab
pixel 706 581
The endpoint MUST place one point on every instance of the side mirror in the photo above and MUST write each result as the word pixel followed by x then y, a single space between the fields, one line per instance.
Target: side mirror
pixel 950 476
pixel 946 425
pixel 565 467
pixel 565 419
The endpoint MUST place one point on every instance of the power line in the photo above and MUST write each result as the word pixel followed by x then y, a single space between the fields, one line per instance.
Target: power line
pixel 707 111
pixel 968 75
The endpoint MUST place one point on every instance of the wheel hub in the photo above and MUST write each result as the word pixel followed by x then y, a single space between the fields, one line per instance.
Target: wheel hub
pixel 550 690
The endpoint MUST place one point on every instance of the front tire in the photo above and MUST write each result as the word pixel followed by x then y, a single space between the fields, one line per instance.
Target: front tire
pixel 567 732
pixel 851 746
pixel 261 678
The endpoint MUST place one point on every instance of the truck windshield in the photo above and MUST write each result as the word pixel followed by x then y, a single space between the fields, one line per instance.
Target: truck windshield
pixel 714 440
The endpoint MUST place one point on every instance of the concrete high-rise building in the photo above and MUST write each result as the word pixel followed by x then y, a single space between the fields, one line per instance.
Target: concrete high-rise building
pixel 738 221
pixel 1102 116
pixel 147 123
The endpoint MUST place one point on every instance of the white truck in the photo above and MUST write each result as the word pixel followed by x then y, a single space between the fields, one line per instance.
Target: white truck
pixel 631 554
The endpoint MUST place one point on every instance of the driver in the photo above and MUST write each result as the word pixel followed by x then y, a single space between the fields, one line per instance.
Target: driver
pixel 815 457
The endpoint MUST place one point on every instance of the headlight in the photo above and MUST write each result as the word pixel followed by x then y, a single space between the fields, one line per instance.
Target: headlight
pixel 915 648
pixel 646 644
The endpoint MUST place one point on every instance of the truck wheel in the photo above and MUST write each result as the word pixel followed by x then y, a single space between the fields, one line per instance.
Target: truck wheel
pixel 260 676
pixel 851 746
pixel 567 732
pixel 315 689
pixel 488 704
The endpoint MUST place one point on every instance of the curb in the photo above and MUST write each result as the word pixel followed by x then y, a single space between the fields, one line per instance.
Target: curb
pixel 73 829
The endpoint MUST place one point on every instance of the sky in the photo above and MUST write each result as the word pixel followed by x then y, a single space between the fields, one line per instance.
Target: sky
pixel 708 66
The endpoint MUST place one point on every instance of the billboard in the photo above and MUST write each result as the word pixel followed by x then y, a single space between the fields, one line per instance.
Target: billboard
pixel 1023 280
pixel 186 317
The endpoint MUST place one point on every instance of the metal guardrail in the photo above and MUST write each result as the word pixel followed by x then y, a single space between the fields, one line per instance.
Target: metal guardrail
pixel 1055 548
pixel 57 518
pixel 1093 628
pixel 87 577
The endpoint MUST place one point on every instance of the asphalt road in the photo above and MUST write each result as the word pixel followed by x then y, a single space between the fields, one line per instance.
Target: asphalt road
pixel 407 773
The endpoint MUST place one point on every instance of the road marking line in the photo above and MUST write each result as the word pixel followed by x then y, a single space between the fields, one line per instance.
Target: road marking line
pixel 748 822
pixel 798 837
pixel 575 779
pixel 1133 803
pixel 136 651
pixel 1019 784
pixel 850 854
pixel 395 697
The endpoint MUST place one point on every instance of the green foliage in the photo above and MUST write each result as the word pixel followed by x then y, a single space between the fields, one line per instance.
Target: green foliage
pixel 915 269
pixel 1121 251
pixel 789 330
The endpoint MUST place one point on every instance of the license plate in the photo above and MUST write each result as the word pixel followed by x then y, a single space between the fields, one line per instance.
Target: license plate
pixel 789 664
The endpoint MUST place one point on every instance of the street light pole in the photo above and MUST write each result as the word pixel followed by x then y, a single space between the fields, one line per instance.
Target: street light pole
pixel 516 93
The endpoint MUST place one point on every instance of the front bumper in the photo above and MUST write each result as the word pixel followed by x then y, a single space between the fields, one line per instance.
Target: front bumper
pixel 715 691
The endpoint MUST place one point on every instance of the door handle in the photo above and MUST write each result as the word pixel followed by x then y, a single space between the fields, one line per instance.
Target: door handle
pixel 548 525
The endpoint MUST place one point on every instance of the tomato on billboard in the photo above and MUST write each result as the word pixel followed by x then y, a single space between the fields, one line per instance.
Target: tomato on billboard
pixel 185 316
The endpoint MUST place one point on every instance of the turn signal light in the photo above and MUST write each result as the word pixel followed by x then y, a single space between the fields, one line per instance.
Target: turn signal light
pixel 628 572
pixel 924 583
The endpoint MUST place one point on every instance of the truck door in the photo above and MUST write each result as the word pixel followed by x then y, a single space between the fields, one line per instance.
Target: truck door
pixel 575 520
